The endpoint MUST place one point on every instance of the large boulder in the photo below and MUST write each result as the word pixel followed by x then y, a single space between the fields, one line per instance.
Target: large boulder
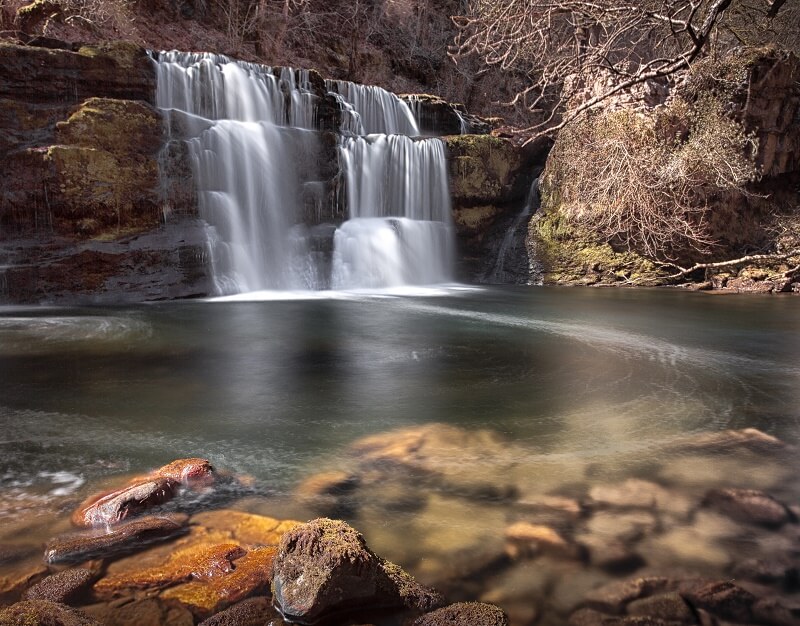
pixel 324 568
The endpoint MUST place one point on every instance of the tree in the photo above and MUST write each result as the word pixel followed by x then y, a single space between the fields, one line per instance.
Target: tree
pixel 574 54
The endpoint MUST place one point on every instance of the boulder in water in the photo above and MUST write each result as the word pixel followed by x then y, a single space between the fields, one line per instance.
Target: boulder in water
pixel 144 492
pixel 324 568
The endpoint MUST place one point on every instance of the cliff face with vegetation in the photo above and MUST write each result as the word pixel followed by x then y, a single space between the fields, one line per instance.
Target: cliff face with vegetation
pixel 701 189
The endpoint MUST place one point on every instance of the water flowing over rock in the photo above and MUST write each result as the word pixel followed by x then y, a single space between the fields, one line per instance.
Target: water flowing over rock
pixel 372 110
pixel 399 231
pixel 252 138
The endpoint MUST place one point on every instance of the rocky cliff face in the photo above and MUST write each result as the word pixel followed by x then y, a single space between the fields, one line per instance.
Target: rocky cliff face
pixel 80 214
pixel 99 201
pixel 761 92
pixel 490 180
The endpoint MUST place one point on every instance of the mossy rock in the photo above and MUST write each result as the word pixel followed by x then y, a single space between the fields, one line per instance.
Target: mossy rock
pixel 94 192
pixel 483 168
pixel 569 256
pixel 117 126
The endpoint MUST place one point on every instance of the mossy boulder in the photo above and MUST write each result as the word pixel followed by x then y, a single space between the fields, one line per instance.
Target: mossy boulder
pixel 324 568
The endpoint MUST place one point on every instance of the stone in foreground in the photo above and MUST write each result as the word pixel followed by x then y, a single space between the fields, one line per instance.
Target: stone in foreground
pixel 42 612
pixel 472 613
pixel 63 587
pixel 324 568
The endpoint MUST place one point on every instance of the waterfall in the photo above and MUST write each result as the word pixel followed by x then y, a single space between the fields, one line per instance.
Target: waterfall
pixel 510 242
pixel 399 231
pixel 244 125
pixel 371 110
pixel 255 154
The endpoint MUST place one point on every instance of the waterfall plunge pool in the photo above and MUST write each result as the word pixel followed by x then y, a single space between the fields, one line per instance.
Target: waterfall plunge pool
pixel 522 395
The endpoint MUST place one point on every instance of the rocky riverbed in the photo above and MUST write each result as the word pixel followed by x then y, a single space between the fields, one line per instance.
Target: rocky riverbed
pixel 705 533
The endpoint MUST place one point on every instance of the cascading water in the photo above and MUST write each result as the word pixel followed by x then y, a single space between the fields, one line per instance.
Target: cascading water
pixel 247 148
pixel 370 110
pixel 399 232
pixel 249 133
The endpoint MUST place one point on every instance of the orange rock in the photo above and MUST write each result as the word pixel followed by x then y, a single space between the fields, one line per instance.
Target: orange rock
pixel 252 575
pixel 197 562
pixel 246 528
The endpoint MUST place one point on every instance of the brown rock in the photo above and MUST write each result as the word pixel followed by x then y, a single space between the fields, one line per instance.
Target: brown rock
pixel 144 612
pixel 669 606
pixel 43 613
pixel 456 460
pixel 722 599
pixel 252 612
pixel 63 587
pixel 113 70
pixel 136 534
pixel 613 597
pixel 250 574
pixel 471 613
pixel 192 563
pixel 749 505
pixel 325 568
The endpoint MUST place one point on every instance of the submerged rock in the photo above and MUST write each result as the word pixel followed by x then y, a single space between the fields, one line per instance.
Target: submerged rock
pixel 43 613
pixel 463 613
pixel 324 568
pixel 751 506
pixel 144 492
pixel 63 587
pixel 117 506
pixel 136 534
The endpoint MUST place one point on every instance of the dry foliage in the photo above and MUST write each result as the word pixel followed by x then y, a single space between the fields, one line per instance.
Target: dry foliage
pixel 645 182
pixel 562 47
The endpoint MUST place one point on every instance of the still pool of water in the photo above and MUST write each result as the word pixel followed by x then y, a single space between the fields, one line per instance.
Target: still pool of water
pixel 578 388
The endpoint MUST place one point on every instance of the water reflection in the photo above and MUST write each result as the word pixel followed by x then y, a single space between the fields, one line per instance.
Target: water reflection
pixel 553 393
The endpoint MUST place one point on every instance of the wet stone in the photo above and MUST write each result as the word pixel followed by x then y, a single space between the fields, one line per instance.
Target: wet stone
pixel 472 613
pixel 250 575
pixel 780 571
pixel 249 529
pixel 193 563
pixel 14 583
pixel 63 587
pixel 750 506
pixel 641 494
pixel 129 536
pixel 612 556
